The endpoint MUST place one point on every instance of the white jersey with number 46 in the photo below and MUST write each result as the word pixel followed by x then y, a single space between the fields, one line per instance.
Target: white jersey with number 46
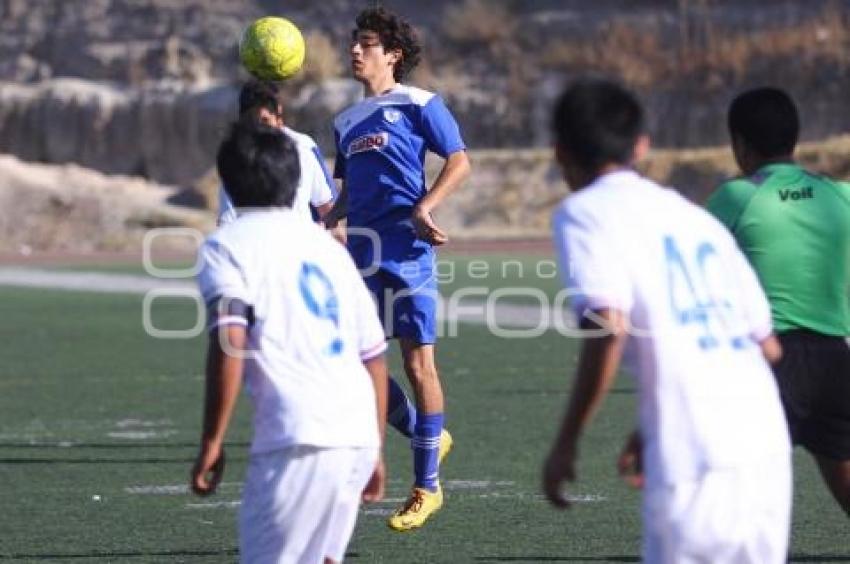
pixel 707 397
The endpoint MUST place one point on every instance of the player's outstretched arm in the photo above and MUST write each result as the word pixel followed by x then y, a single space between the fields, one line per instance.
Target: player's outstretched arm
pixel 223 382
pixel 597 368
pixel 455 170
pixel 377 368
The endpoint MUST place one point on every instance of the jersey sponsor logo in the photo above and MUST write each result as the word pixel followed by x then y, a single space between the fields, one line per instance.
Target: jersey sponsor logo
pixel 371 142
pixel 392 115
pixel 806 193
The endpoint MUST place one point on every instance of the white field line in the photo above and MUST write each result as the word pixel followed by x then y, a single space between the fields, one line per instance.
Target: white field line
pixel 380 511
pixel 481 489
pixel 140 435
pixel 175 489
pixel 474 484
pixel 448 485
pixel 386 511
pixel 393 500
pixel 158 490
pixel 215 505
pixel 139 429
pixel 473 311
pixel 99 282
pixel 141 423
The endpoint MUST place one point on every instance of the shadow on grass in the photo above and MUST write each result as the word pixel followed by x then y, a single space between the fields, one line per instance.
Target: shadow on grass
pixel 74 456
pixel 532 558
pixel 148 460
pixel 120 554
pixel 72 445
pixel 550 391
pixel 820 558
pixel 234 552
pixel 134 554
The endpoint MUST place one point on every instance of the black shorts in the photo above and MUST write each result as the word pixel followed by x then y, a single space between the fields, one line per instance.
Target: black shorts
pixel 814 381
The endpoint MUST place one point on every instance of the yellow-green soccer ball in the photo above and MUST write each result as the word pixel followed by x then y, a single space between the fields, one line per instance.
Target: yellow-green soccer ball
pixel 272 48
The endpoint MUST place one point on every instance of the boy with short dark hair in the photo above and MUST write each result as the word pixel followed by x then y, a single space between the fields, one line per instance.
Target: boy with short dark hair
pixel 652 273
pixel 794 227
pixel 263 102
pixel 295 321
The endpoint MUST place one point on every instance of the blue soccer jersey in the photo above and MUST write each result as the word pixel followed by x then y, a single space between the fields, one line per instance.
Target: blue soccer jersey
pixel 381 144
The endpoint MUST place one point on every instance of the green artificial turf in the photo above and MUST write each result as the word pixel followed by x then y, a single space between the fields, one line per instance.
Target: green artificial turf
pixel 99 424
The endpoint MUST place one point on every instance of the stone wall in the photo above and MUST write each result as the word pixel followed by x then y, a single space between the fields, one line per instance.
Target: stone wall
pixel 146 86
pixel 166 132
pixel 510 195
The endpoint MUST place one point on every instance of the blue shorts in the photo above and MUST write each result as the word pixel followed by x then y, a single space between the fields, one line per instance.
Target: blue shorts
pixel 402 278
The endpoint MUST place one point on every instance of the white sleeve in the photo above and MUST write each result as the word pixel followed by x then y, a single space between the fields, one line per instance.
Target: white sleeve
pixel 322 186
pixel 222 287
pixel 226 211
pixel 590 267
pixel 755 305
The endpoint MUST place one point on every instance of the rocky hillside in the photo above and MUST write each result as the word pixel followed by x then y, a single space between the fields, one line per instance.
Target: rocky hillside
pixel 167 132
pixel 71 209
pixel 143 89
pixel 145 86
pixel 67 208
pixel 513 192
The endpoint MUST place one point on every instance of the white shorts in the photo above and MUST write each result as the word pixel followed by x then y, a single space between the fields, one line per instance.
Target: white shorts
pixel 739 516
pixel 300 504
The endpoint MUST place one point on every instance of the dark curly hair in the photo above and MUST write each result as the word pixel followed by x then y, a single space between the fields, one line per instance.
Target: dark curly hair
pixel 395 33
pixel 257 94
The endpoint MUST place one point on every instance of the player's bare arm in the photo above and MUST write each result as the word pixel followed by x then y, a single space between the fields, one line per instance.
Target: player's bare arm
pixel 338 210
pixel 337 231
pixel 771 349
pixel 377 368
pixel 455 170
pixel 224 380
pixel 597 368
pixel 324 209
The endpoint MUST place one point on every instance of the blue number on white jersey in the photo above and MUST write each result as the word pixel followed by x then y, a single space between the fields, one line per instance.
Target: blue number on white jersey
pixel 321 300
pixel 694 301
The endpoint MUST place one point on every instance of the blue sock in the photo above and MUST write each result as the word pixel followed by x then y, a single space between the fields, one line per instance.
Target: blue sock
pixel 426 450
pixel 401 413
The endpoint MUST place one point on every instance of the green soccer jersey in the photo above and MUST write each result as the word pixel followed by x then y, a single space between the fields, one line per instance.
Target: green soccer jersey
pixel 794 227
